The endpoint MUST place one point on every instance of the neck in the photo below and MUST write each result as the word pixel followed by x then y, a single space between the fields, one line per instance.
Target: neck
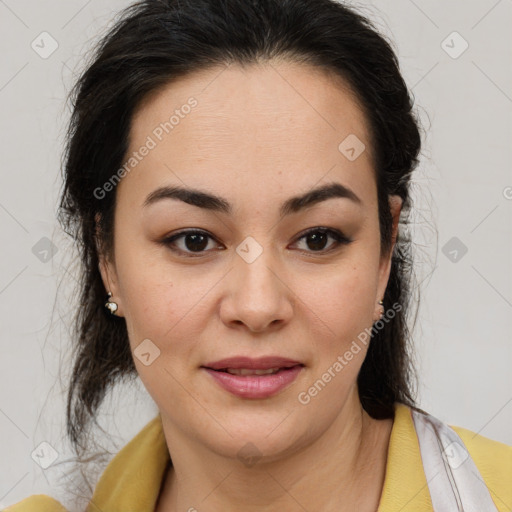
pixel 342 469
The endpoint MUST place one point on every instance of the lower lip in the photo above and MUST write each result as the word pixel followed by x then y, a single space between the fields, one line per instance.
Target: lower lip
pixel 255 386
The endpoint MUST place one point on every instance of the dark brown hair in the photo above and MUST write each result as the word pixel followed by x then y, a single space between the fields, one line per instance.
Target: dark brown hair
pixel 156 42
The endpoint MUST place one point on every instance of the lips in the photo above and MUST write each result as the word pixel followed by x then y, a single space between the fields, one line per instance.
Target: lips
pixel 254 378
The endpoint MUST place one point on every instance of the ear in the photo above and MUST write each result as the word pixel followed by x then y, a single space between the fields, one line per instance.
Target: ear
pixel 107 269
pixel 395 205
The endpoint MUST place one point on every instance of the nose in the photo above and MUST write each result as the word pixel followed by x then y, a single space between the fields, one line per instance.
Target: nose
pixel 258 295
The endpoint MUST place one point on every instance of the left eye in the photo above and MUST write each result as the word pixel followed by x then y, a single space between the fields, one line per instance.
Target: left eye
pixel 317 238
pixel 194 243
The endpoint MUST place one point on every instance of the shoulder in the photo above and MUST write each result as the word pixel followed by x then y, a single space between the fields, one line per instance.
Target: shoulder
pixel 487 451
pixel 494 461
pixel 134 473
pixel 36 503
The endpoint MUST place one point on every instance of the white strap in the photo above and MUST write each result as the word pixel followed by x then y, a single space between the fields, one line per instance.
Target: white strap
pixel 454 482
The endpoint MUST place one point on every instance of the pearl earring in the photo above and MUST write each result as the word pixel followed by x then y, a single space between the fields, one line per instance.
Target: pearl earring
pixel 381 303
pixel 111 305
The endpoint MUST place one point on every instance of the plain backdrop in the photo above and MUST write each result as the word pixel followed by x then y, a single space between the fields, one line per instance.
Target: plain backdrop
pixel 462 222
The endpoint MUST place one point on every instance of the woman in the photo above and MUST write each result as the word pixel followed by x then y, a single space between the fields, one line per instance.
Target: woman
pixel 235 179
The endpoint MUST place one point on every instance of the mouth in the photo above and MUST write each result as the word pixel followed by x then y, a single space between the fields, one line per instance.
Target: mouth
pixel 254 378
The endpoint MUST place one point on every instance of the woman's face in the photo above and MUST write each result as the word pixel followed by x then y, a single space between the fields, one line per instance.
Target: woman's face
pixel 257 146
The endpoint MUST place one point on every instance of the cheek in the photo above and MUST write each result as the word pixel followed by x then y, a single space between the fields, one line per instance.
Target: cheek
pixel 345 296
pixel 156 306
pixel 152 299
pixel 338 315
pixel 159 306
pixel 170 307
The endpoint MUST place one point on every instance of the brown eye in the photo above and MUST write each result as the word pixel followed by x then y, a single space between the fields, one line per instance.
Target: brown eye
pixel 190 242
pixel 317 239
pixel 195 241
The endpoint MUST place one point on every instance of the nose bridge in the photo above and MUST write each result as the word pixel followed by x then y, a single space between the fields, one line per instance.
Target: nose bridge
pixel 255 266
pixel 259 296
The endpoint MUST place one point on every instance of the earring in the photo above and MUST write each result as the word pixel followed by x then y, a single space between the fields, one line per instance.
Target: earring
pixel 111 305
pixel 381 303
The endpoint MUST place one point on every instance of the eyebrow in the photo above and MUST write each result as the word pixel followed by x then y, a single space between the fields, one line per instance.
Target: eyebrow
pixel 215 203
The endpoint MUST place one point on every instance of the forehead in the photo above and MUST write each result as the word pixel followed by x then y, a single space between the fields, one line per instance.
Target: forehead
pixel 271 125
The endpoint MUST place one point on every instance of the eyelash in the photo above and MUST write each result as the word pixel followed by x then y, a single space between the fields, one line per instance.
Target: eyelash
pixel 339 237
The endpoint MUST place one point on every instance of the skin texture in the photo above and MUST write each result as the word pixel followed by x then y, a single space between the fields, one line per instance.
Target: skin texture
pixel 258 136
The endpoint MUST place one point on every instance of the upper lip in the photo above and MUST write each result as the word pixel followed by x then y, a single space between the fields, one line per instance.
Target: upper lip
pixel 261 363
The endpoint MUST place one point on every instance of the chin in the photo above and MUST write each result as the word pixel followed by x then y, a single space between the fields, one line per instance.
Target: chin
pixel 258 440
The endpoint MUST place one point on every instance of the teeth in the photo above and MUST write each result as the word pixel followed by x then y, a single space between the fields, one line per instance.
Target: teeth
pixel 244 371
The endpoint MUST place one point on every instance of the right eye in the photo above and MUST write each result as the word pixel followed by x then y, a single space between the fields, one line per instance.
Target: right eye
pixel 193 242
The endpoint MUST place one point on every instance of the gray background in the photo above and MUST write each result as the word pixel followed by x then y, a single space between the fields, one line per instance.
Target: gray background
pixel 462 189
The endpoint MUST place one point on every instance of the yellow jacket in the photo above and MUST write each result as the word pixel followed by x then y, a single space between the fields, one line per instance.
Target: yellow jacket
pixel 131 482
